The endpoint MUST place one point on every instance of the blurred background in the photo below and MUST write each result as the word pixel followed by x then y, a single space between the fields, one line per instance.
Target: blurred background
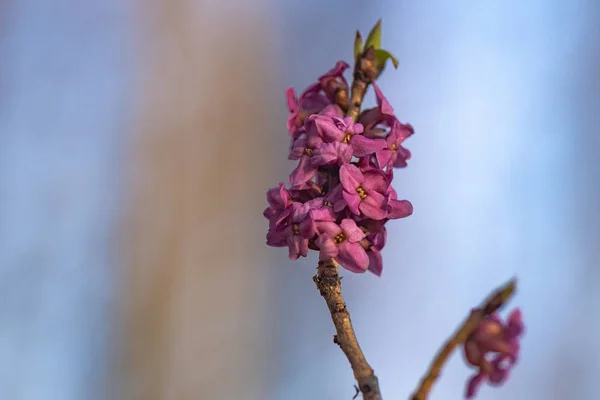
pixel 137 140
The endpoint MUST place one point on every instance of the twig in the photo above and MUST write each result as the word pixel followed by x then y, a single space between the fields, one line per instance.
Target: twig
pixel 328 283
pixel 496 300
pixel 365 71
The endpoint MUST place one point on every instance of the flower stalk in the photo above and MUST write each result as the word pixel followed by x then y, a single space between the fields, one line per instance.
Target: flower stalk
pixel 329 285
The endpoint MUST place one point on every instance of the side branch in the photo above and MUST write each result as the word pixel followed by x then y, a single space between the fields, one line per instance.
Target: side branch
pixel 328 283
pixel 496 300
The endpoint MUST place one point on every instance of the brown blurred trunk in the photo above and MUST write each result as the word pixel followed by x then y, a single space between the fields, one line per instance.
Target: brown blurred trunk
pixel 194 294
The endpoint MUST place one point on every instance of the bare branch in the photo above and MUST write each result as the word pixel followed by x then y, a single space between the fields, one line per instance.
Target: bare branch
pixel 328 283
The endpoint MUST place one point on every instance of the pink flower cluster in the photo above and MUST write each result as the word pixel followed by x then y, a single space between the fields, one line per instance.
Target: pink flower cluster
pixel 340 194
pixel 493 347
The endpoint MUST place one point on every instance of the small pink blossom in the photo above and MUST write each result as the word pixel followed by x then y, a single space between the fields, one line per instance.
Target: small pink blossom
pixel 343 140
pixel 493 348
pixel 342 242
pixel 393 154
pixel 364 193
pixel 316 98
pixel 279 200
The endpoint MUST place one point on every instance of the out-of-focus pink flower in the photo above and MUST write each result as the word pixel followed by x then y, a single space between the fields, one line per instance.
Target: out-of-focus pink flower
pixel 493 348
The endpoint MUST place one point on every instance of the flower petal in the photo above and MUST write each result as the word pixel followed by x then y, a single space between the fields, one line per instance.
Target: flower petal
pixel 332 110
pixel 326 154
pixel 278 237
pixel 280 218
pixel 473 385
pixel 352 200
pixel 376 180
pixel 399 208
pixel 369 118
pixel 358 128
pixel 292 101
pixel 327 248
pixel 304 172
pixel 374 205
pixel 278 197
pixel 307 228
pixel 499 374
pixel 322 214
pixel 351 177
pixel 328 228
pixel 515 324
pixel 384 105
pixel 378 239
pixel 403 130
pixel 363 146
pixel 299 211
pixel 353 257
pixel 297 150
pixel 345 152
pixel 402 155
pixel 309 95
pixel 383 157
pixel 334 194
pixel 375 261
pixel 298 246
pixel 337 71
pixel 352 232
pixel 328 129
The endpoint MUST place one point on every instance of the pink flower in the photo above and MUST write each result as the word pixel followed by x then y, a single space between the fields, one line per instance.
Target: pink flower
pixel 493 347
pixel 300 227
pixel 333 81
pixel 374 242
pixel 303 149
pixel 393 154
pixel 364 193
pixel 279 200
pixel 310 102
pixel 397 208
pixel 343 140
pixel 342 242
pixel 382 114
pixel 315 98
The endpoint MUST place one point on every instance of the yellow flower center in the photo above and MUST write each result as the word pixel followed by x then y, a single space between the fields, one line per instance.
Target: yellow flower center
pixel 328 204
pixel 393 147
pixel 347 138
pixel 361 193
pixel 309 152
pixel 296 229
pixel 339 238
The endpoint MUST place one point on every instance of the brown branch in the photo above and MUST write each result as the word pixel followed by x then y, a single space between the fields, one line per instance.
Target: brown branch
pixel 328 283
pixel 365 72
pixel 496 300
